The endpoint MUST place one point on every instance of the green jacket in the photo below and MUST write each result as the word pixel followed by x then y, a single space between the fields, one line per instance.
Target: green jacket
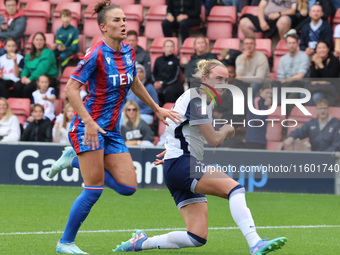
pixel 68 37
pixel 44 64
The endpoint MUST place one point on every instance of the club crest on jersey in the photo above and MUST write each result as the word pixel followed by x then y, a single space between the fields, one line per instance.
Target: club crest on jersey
pixel 128 59
pixel 108 60
pixel 80 66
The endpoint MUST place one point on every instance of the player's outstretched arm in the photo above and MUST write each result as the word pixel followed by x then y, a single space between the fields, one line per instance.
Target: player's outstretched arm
pixel 215 138
pixel 139 90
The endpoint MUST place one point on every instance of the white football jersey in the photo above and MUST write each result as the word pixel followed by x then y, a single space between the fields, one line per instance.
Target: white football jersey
pixel 185 137
pixel 48 106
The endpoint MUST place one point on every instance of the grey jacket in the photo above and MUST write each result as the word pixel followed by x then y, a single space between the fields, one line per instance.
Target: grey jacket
pixel 15 30
pixel 143 58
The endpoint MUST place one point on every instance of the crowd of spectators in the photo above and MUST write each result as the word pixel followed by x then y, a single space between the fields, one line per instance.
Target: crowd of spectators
pixel 313 45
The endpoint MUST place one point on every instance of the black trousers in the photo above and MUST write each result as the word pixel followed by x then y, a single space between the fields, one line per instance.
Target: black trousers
pixel 25 91
pixel 184 27
pixel 5 86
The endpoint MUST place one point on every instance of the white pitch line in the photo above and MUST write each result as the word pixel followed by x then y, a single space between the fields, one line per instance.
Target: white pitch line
pixel 164 229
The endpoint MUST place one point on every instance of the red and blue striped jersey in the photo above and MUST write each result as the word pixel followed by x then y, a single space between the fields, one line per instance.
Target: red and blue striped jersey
pixel 110 74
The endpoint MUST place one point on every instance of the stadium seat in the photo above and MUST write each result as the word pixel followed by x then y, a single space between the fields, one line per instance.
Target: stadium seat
pixel 248 10
pixel 264 46
pixel 156 48
pixel 148 3
pixel 220 22
pixel 38 9
pixel 274 146
pixel 20 106
pixel 225 43
pixel 121 2
pixel 281 49
pixel 49 41
pixel 65 76
pixel 74 7
pixel 274 128
pixel 89 11
pixel 334 112
pixel 299 116
pixel 62 95
pixel 82 46
pixel 58 106
pixel 143 42
pixel 187 49
pixel 91 29
pixel 96 39
pixel 87 2
pixel 161 125
pixel 134 15
pixel 55 2
pixel 34 25
pixel 290 128
pixel 153 21
pixel 2 8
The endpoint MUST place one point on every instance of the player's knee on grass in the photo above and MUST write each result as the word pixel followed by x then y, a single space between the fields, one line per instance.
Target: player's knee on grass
pixel 236 190
pixel 196 240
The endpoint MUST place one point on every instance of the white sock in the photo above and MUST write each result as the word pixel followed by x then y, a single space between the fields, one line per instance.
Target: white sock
pixel 242 216
pixel 172 240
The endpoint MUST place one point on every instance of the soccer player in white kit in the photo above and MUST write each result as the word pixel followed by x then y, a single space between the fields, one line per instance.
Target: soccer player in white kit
pixel 184 151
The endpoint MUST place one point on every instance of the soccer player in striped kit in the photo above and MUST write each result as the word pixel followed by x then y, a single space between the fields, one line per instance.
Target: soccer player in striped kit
pixel 109 67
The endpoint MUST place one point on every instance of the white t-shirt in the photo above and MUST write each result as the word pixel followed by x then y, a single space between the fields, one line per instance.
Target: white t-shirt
pixel 337 32
pixel 10 130
pixel 7 67
pixel 185 136
pixel 48 106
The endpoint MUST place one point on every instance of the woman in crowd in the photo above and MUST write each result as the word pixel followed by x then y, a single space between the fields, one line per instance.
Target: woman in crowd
pixel 9 123
pixel 40 60
pixel 135 131
pixel 62 125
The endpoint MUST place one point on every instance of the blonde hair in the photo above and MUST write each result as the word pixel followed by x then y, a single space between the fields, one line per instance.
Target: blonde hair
pixel 126 119
pixel 205 66
pixel 9 112
pixel 65 120
pixel 205 41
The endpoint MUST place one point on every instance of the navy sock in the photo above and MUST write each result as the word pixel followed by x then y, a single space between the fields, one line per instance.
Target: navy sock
pixel 79 211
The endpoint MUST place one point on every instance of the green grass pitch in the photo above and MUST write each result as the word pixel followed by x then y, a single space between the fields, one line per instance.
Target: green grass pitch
pixel 27 210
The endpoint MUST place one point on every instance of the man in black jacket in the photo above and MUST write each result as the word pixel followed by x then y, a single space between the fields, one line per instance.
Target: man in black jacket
pixel 183 15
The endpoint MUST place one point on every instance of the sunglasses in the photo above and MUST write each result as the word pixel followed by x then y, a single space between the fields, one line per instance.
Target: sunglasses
pixel 131 109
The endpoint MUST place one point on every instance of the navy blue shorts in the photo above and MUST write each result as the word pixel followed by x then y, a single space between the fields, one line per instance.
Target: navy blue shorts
pixel 112 142
pixel 181 182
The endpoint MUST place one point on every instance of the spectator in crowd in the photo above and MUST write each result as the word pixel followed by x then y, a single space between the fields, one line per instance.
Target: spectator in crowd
pixel 243 3
pixel 303 7
pixel 256 134
pixel 201 49
pixel 9 123
pixel 40 60
pixel 146 112
pixel 324 65
pixel 165 75
pixel 182 15
pixel 273 16
pixel 337 41
pixel 39 130
pixel 295 64
pixel 67 39
pixel 209 4
pixel 11 65
pixel 142 56
pixel 135 131
pixel 45 96
pixel 323 132
pixel 315 31
pixel 13 23
pixel 251 64
pixel 62 125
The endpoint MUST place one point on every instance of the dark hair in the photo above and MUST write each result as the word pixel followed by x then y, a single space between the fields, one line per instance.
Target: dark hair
pixel 131 32
pixel 266 85
pixel 37 105
pixel 321 41
pixel 33 51
pixel 17 1
pixel 294 36
pixel 44 75
pixel 66 13
pixel 9 39
pixel 101 8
